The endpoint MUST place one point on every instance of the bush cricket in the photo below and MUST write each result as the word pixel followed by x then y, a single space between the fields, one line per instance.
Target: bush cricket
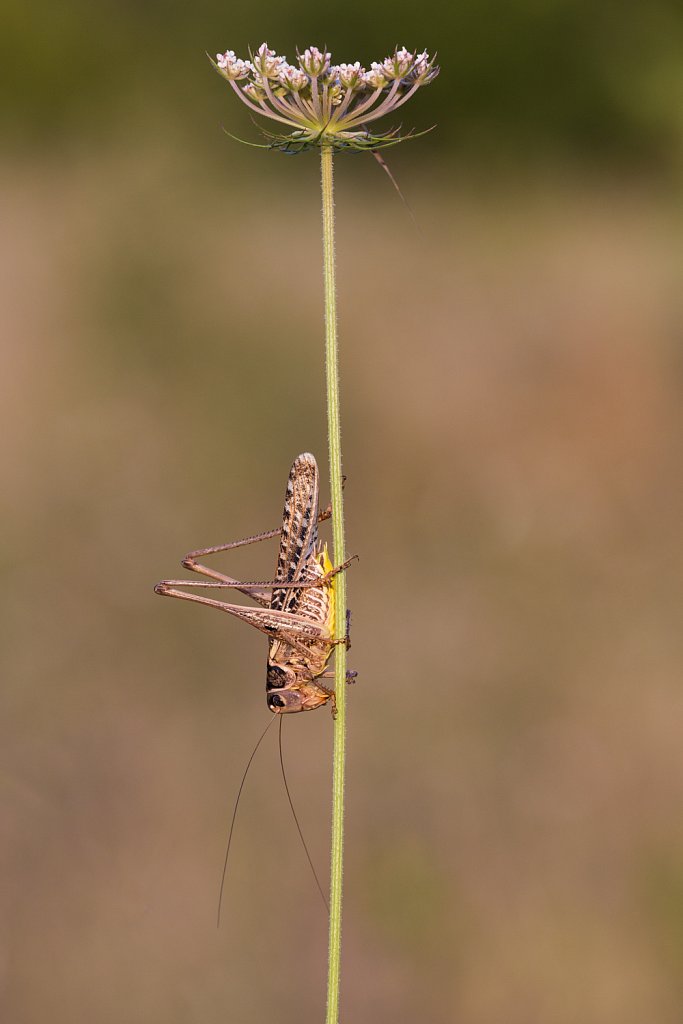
pixel 297 607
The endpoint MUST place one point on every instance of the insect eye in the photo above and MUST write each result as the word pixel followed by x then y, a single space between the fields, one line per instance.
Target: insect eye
pixel 275 701
pixel 275 677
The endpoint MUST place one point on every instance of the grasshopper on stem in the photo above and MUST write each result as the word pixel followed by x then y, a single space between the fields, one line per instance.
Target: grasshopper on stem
pixel 297 607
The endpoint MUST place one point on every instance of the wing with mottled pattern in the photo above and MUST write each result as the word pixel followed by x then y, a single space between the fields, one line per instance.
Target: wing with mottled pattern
pixel 299 532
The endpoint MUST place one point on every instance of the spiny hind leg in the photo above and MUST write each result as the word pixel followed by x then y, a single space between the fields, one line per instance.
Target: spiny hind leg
pixel 190 561
pixel 253 589
pixel 191 557
pixel 276 624
pixel 260 590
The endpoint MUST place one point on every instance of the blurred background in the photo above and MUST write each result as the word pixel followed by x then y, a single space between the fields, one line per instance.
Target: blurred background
pixel 512 427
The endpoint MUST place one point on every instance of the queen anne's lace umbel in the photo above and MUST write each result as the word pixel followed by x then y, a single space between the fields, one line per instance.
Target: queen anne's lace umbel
pixel 324 103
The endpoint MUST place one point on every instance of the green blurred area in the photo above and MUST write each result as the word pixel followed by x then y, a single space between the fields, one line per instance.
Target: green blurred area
pixel 603 82
pixel 512 384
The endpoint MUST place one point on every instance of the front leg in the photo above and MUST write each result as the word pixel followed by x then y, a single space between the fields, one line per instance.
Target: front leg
pixel 329 690
pixel 330 693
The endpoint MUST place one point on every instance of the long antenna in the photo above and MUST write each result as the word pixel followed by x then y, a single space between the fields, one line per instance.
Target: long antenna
pixel 385 167
pixel 234 815
pixel 301 835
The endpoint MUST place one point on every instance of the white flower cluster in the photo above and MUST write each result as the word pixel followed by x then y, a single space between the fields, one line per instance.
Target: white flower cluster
pixel 232 67
pixel 325 102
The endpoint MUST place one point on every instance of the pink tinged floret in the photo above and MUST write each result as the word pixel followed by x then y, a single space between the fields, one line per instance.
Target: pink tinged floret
pixel 399 65
pixel 231 66
pixel 375 76
pixel 254 92
pixel 293 78
pixel 350 75
pixel 267 63
pixel 424 69
pixel 314 62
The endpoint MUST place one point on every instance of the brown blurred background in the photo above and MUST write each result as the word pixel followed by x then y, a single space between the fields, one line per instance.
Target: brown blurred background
pixel 512 428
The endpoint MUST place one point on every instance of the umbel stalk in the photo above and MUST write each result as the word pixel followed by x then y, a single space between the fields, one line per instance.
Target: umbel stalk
pixel 339 557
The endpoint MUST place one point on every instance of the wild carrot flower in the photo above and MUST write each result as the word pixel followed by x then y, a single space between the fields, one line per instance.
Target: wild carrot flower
pixel 326 104
pixel 329 106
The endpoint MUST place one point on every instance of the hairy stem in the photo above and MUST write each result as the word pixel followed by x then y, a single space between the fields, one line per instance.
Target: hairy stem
pixel 339 556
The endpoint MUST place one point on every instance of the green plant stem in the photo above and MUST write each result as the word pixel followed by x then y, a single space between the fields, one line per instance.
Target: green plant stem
pixel 339 556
